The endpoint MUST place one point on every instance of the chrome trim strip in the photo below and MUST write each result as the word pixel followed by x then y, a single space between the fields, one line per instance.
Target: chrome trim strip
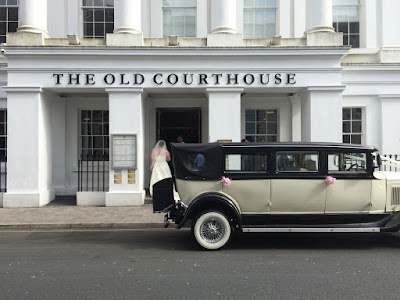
pixel 369 229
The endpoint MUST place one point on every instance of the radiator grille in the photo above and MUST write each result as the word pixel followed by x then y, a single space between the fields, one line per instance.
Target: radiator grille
pixel 396 195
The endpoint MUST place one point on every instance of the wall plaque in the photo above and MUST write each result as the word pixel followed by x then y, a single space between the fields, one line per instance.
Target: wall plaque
pixel 124 151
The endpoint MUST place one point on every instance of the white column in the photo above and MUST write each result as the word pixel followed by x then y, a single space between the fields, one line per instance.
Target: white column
pixel 224 114
pixel 223 16
pixel 126 117
pixel 296 118
pixel 321 112
pixel 319 16
pixel 29 149
pixel 33 16
pixel 128 16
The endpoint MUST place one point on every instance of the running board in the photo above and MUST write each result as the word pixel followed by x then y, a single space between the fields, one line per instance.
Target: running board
pixel 303 229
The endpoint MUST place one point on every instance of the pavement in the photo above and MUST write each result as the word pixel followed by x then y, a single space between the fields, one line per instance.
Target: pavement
pixel 64 214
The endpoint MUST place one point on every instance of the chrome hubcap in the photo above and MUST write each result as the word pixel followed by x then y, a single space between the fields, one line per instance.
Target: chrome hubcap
pixel 212 231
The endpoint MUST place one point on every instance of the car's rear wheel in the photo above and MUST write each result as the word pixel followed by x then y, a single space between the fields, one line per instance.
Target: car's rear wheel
pixel 212 230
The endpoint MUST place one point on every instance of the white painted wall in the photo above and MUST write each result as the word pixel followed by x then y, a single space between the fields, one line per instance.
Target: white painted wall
pixel 57 18
pixel 390 108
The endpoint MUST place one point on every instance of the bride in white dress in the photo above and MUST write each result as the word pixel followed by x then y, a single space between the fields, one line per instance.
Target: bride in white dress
pixel 159 164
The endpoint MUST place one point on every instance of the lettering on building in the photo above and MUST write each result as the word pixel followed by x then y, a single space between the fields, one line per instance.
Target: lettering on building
pixel 175 79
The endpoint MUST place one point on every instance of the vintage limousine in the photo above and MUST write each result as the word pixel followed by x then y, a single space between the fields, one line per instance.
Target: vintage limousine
pixel 278 187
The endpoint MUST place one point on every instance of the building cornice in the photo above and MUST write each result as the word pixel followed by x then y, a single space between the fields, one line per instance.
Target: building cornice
pixel 176 51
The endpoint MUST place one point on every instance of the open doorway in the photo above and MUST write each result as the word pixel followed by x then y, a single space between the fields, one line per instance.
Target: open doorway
pixel 174 122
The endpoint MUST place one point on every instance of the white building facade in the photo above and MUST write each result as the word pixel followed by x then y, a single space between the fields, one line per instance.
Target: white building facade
pixel 89 86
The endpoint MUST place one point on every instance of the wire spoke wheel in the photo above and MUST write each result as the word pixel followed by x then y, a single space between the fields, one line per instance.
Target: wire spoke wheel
pixel 212 230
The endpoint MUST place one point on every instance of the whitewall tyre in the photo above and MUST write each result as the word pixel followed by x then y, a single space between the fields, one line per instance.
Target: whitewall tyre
pixel 212 230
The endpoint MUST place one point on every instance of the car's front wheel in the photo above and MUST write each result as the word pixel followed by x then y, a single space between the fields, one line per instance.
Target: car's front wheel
pixel 212 230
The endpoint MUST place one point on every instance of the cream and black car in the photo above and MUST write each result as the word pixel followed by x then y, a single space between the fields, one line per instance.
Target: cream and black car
pixel 278 187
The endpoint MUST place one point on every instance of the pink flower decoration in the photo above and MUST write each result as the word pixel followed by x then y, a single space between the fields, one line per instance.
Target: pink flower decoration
pixel 225 181
pixel 330 180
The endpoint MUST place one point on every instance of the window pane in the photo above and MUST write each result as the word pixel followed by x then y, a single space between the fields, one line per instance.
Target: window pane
pixel 250 115
pixel 3 14
pixel 356 139
pixel 86 116
pixel 3 28
pixel 356 127
pixel 86 129
pixel 99 15
pixel 346 126
pixel 297 161
pixel 97 129
pixel 109 15
pixel 261 128
pixel 250 128
pixel 87 142
pixel 109 3
pixel 272 115
pixel 88 15
pixel 97 116
pixel 261 115
pixel 88 29
pixel 105 116
pixel 109 27
pixel 87 3
pixel 12 26
pixel 356 113
pixel 13 14
pixel 272 128
pixel 98 142
pixel 346 113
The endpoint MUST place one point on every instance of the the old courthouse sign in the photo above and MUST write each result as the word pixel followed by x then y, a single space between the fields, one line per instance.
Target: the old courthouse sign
pixel 174 79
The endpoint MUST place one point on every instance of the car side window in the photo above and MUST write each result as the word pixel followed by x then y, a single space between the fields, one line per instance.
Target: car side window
pixel 246 162
pixel 347 162
pixel 297 161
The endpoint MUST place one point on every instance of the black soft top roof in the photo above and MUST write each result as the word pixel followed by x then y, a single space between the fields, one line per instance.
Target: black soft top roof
pixel 205 161
pixel 313 145
pixel 197 161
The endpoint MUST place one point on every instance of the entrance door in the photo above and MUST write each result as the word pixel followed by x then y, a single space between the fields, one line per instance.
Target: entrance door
pixel 174 122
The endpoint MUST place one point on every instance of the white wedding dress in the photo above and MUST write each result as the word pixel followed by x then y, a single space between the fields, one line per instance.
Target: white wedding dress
pixel 160 171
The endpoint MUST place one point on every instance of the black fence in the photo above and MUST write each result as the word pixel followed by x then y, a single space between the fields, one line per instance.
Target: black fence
pixel 93 173
pixel 387 165
pixel 3 175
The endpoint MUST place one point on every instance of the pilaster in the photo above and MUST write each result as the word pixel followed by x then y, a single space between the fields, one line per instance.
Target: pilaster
pixel 29 160
pixel 224 112
pixel 321 110
pixel 126 118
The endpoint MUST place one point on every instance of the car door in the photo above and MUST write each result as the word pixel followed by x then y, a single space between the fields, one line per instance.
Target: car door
pixel 249 185
pixel 351 192
pixel 297 187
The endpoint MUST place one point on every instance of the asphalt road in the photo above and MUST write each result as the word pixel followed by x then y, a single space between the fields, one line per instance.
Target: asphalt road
pixel 167 264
